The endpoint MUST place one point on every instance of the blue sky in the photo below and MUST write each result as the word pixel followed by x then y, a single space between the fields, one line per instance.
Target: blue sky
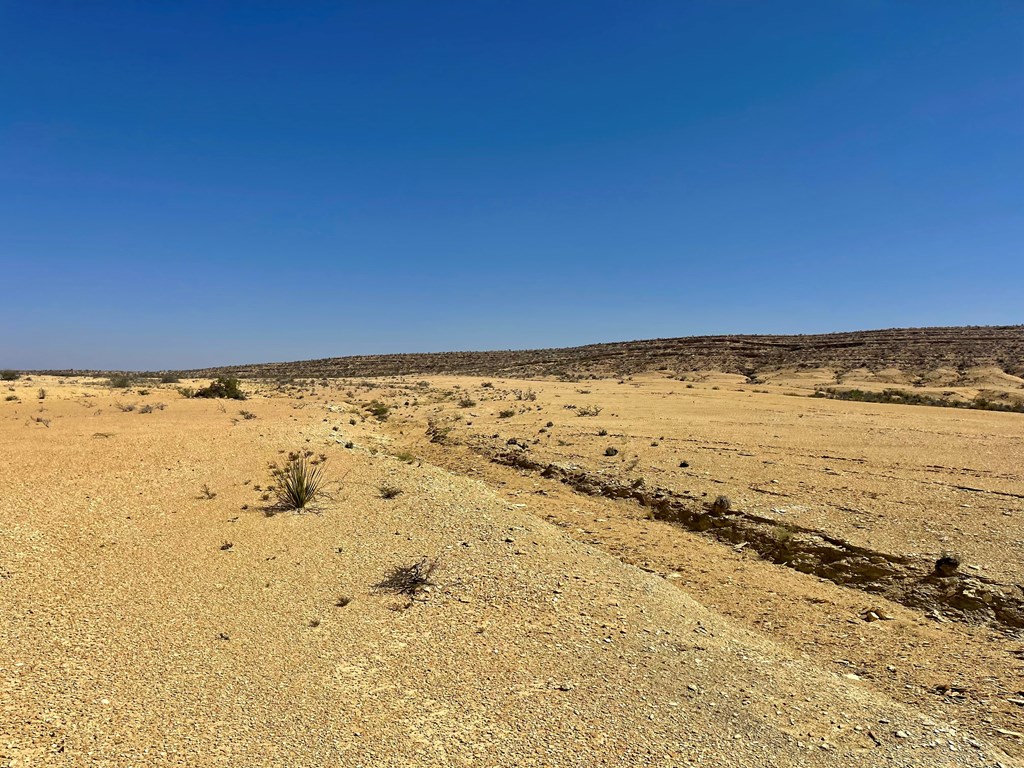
pixel 195 183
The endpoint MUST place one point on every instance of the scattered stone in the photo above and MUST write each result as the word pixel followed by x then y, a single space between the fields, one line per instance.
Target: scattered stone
pixel 875 614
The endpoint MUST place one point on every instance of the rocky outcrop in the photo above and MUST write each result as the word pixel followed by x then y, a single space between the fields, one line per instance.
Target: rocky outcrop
pixel 912 350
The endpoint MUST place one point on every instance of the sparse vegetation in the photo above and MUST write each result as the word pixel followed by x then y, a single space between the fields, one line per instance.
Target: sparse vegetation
pixel 297 483
pixel 437 432
pixel 902 397
pixel 783 534
pixel 389 491
pixel 411 580
pixel 507 413
pixel 225 387
pixel 721 505
pixel 378 410
pixel 588 410
pixel 9 375
pixel 120 381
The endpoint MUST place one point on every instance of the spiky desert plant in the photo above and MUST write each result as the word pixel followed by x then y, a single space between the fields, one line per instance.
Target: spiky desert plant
pixel 298 482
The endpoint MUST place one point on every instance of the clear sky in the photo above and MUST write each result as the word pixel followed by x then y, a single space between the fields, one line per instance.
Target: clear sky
pixel 192 183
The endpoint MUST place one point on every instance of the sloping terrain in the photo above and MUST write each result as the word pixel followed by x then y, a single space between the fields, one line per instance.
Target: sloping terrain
pixel 153 613
pixel 838 511
pixel 913 351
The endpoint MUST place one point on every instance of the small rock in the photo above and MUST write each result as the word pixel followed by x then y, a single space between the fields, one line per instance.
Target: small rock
pixel 947 565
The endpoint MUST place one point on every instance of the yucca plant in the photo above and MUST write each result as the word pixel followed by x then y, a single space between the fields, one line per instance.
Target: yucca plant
pixel 298 482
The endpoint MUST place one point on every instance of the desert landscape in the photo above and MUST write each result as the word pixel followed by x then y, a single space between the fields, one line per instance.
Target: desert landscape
pixel 661 565
pixel 512 384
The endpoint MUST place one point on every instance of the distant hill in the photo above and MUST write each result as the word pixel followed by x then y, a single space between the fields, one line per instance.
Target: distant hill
pixel 912 350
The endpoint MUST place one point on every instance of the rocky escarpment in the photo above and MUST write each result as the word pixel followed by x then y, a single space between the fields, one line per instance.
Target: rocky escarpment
pixel 913 350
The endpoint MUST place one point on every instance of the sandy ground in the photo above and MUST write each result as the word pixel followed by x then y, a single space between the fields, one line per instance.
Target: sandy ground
pixel 900 479
pixel 148 622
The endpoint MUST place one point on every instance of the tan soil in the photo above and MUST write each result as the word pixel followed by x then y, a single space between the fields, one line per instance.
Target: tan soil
pixel 129 634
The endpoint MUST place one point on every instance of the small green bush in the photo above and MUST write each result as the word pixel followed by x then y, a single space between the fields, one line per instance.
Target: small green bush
pixel 223 387
pixel 378 410
pixel 8 375
pixel 119 381
pixel 903 397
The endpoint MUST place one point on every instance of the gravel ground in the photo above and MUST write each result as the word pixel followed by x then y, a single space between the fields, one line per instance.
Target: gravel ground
pixel 146 622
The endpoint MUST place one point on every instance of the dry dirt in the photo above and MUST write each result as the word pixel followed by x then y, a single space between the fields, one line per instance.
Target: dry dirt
pixel 153 613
